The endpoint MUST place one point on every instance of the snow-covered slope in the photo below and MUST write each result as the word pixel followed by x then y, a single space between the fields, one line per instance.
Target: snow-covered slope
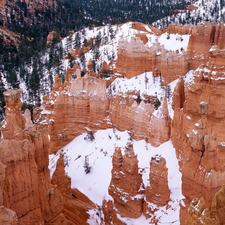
pixel 99 153
pixel 110 36
pixel 37 76
pixel 146 83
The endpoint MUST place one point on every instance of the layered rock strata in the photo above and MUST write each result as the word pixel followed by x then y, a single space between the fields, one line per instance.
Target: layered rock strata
pixel 197 131
pixel 201 40
pixel 199 214
pixel 158 192
pixel 126 184
pixel 75 204
pixel 134 58
pixel 25 184
pixel 8 216
pixel 82 104
pixel 110 214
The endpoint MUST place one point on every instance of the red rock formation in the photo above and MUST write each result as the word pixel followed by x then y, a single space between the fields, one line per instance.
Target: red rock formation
pixel 191 7
pixel 53 36
pixel 110 214
pixel 173 65
pixel 14 122
pixel 198 213
pixel 160 125
pixel 201 39
pixel 126 183
pixel 106 69
pixel 90 65
pixel 72 73
pixel 29 124
pixel 8 216
pixel 75 109
pixel 26 185
pixel 158 192
pixel 74 106
pixel 133 58
pixel 179 29
pixel 127 114
pixel 197 132
pixel 75 204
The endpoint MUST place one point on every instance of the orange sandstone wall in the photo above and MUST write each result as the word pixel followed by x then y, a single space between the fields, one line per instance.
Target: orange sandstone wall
pixel 197 131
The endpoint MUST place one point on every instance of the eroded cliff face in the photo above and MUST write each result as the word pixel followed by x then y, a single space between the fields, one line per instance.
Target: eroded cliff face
pixel 82 105
pixel 199 214
pixel 25 184
pixel 136 57
pixel 8 216
pixel 197 131
pixel 126 186
pixel 131 197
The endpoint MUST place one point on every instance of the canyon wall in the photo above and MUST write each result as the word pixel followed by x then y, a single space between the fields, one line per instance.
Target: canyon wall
pixel 136 57
pixel 126 184
pixel 25 184
pixel 199 214
pixel 83 105
pixel 197 130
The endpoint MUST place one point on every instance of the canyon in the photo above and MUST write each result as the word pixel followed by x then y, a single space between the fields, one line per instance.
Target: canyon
pixel 192 120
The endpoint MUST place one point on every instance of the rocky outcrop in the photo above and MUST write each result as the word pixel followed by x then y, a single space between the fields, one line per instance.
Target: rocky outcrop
pixel 53 36
pixel 107 69
pixel 8 216
pixel 73 108
pixel 199 214
pixel 133 57
pixel 14 122
pixel 179 29
pixel 25 178
pixel 74 72
pixel 197 132
pixel 127 114
pixel 173 65
pixel 75 204
pixel 201 39
pixel 126 186
pixel 110 214
pixel 77 109
pixel 158 192
pixel 160 125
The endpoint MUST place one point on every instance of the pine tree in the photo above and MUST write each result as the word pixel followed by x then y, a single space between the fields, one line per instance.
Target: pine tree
pixel 77 42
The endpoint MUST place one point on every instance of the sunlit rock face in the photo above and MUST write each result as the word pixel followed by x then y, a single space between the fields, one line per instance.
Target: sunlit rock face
pixel 126 183
pixel 158 192
pixel 197 130
pixel 25 178
pixel 136 57
pixel 199 214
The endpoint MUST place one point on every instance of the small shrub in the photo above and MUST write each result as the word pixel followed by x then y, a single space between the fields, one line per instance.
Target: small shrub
pixel 87 167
